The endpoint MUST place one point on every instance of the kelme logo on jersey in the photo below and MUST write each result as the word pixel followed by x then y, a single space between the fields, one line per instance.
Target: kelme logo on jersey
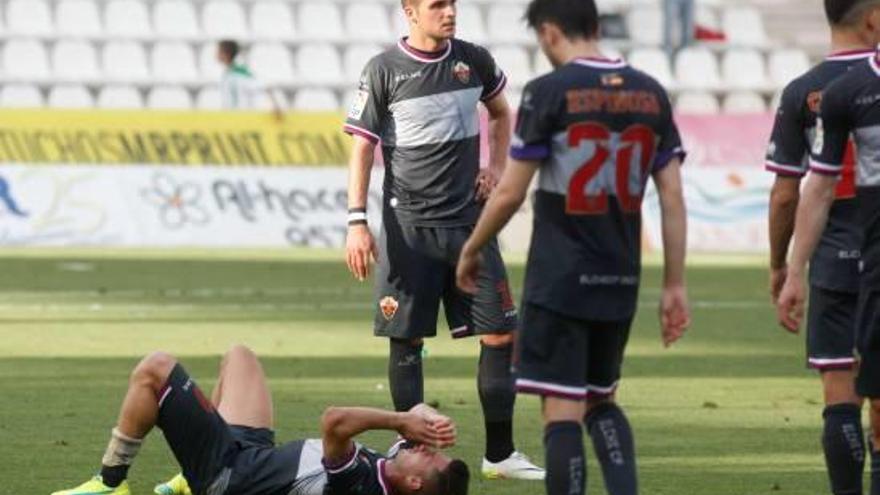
pixel 389 306
pixel 462 72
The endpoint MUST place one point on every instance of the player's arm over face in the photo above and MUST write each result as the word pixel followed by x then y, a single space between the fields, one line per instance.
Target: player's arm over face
pixel 339 426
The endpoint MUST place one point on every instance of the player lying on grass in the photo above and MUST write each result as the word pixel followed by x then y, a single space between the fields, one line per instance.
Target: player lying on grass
pixel 226 445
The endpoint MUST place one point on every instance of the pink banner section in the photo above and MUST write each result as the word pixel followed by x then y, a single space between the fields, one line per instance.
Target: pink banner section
pixel 725 140
pixel 710 140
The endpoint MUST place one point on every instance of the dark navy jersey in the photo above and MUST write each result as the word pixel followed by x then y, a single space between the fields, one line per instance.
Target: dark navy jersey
pixel 851 107
pixel 362 474
pixel 599 128
pixel 423 107
pixel 835 263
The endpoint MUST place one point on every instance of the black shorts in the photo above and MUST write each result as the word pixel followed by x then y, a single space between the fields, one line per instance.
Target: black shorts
pixel 560 356
pixel 868 380
pixel 831 329
pixel 217 458
pixel 416 270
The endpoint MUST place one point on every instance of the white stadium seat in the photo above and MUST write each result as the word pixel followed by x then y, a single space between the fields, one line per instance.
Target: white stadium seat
pixel 29 18
pixel 20 96
pixel 72 96
pixel 173 61
pixel 367 22
pixel 75 61
pixel 506 25
pixel 127 19
pixel 697 103
pixel 265 104
pixel 743 102
pixel 272 20
pixel 706 16
pixel 515 62
pixel 208 98
pixel 696 68
pixel 319 64
pixel 222 19
pixel 645 26
pixel 119 97
pixel 356 57
pixel 469 24
pixel 209 67
pixel 271 62
pixel 78 18
pixel 175 19
pixel 744 69
pixel 655 62
pixel 315 100
pixel 125 61
pixel 744 26
pixel 168 98
pixel 786 65
pixel 320 21
pixel 25 60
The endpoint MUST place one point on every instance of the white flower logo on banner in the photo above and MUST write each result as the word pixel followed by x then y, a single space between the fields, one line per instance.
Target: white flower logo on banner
pixel 178 203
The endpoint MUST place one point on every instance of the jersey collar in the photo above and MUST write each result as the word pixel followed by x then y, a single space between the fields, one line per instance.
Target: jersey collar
pixel 383 482
pixel 875 64
pixel 600 63
pixel 849 55
pixel 424 57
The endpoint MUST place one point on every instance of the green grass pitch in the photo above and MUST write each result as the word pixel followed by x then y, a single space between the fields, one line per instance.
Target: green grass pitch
pixel 730 410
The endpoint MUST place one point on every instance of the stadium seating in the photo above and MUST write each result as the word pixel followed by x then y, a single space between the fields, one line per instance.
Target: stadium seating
pixel 324 44
pixel 120 97
pixel 21 96
pixel 208 98
pixel 697 103
pixel 272 20
pixel 78 18
pixel 175 19
pixel 125 61
pixel 367 22
pixel 222 19
pixel 320 21
pixel 127 19
pixel 168 98
pixel 70 96
pixel 315 99
pixel 29 18
pixel 743 102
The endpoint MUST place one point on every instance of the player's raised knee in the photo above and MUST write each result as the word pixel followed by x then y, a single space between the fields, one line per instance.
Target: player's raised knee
pixel 155 367
pixel 497 339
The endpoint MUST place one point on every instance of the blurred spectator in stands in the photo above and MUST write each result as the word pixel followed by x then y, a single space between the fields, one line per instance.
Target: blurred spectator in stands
pixel 239 89
pixel 677 14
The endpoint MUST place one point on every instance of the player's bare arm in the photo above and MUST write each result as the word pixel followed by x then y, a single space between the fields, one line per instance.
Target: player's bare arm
pixel 812 215
pixel 503 203
pixel 674 310
pixel 784 198
pixel 360 245
pixel 339 425
pixel 500 121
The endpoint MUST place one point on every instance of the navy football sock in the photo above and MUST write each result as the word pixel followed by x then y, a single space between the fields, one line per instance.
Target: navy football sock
pixel 405 374
pixel 497 396
pixel 875 468
pixel 843 443
pixel 615 448
pixel 564 453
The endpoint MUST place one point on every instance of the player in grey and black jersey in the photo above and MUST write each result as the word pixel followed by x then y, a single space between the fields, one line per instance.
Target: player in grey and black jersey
pixel 419 102
pixel 850 109
pixel 834 274
pixel 595 131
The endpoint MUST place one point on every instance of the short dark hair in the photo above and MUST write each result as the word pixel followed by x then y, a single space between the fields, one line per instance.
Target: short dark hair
pixel 844 12
pixel 453 480
pixel 230 47
pixel 576 18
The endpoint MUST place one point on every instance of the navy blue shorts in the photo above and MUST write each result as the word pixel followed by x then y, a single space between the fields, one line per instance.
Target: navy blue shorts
pixel 416 270
pixel 868 380
pixel 831 329
pixel 568 358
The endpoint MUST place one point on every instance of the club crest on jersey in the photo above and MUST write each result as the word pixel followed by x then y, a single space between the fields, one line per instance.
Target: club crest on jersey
pixel 389 306
pixel 462 72
pixel 814 101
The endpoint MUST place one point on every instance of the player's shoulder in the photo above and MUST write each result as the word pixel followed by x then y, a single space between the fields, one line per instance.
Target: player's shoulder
pixel 861 74
pixel 470 50
pixel 643 79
